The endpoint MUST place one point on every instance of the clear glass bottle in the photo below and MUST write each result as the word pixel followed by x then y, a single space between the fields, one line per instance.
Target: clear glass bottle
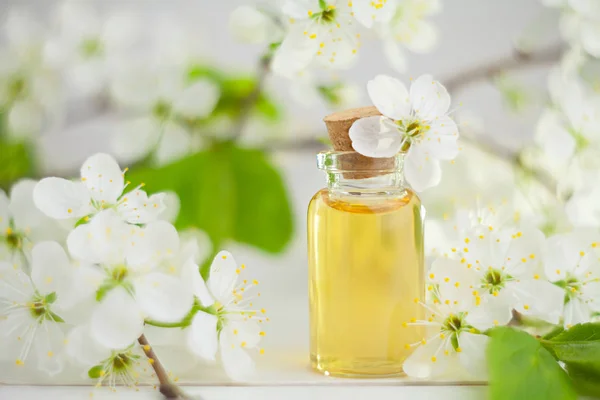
pixel 365 250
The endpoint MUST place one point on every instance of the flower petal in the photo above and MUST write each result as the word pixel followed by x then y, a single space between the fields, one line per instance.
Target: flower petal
pixel 523 257
pixel 103 177
pixel 429 98
pixel 83 348
pixel 197 100
pixel 60 199
pixel 422 38
pixel 176 143
pixel 191 275
pixel 556 142
pixel 135 138
pixel 428 360
pixel 422 171
pixel 137 208
pixel 395 56
pixel 24 119
pixel 117 321
pixel 202 335
pixel 368 12
pixel 441 140
pixel 50 268
pixel 372 138
pixel 223 277
pixel 295 53
pixel 237 363
pixel 538 298
pixel 492 311
pixel 49 345
pixel 390 97
pixel 163 297
pixel 576 312
pixel 472 356
pixel 24 213
pixel 590 37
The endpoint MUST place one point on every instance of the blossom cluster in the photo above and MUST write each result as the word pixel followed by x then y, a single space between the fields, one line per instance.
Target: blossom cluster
pixel 496 273
pixel 87 266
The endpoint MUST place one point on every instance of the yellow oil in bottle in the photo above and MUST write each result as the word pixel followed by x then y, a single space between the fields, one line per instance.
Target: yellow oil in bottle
pixel 365 272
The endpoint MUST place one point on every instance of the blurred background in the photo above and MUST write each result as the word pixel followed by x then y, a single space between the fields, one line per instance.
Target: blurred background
pixel 174 90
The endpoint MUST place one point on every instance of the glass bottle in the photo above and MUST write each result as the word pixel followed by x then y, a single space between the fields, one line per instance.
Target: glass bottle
pixel 366 270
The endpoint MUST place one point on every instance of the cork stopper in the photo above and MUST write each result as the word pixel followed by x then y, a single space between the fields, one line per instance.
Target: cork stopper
pixel 338 126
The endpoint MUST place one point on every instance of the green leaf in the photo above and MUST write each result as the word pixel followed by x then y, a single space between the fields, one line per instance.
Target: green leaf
pixel 17 162
pixel 586 382
pixel 578 346
pixel 554 332
pixel 230 193
pixel 323 4
pixel 96 372
pixel 520 368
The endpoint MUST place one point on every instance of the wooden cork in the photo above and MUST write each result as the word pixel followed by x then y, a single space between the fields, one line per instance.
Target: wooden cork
pixel 338 126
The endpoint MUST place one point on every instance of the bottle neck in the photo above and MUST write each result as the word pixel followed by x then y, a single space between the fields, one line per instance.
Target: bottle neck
pixel 350 173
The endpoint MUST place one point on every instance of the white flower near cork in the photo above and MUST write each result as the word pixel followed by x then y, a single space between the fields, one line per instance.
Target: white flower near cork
pixel 415 123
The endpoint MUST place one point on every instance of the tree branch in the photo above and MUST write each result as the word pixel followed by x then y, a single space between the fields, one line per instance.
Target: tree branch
pixel 250 101
pixel 518 60
pixel 167 388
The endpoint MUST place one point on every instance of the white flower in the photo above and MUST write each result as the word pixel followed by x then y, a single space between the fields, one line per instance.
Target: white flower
pixel 571 262
pixel 29 89
pixel 502 273
pixel 31 308
pixel 228 323
pixel 575 126
pixel 126 279
pixel 321 32
pixel 101 188
pixel 416 123
pixel 110 367
pixel 369 12
pixel 88 47
pixel 454 343
pixel 255 24
pixel 338 95
pixel 165 106
pixel 580 25
pixel 22 224
pixel 409 27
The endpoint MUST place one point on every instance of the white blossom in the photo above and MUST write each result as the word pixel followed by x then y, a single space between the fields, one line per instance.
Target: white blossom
pixel 126 277
pixel 22 224
pixel 571 262
pixel 416 123
pixel 320 32
pixel 256 24
pixel 30 95
pixel 101 188
pixel 88 46
pixel 410 28
pixel 454 344
pixel 229 325
pixel 163 107
pixel 31 308
pixel 503 273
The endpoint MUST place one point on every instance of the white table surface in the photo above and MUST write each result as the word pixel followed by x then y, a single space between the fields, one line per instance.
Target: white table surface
pixel 332 392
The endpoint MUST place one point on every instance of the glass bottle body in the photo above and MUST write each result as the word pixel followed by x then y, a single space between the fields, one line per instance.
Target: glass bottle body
pixel 365 240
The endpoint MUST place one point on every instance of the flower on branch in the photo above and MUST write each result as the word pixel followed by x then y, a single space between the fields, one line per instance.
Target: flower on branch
pixel 230 323
pixel 101 188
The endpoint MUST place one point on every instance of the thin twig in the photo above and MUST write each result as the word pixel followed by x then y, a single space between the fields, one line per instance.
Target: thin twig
pixel 250 101
pixel 494 68
pixel 167 388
